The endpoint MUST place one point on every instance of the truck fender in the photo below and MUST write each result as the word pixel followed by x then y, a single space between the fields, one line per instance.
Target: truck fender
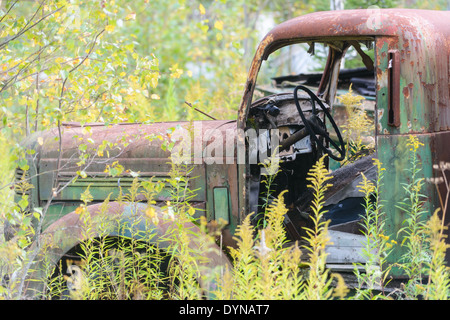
pixel 68 231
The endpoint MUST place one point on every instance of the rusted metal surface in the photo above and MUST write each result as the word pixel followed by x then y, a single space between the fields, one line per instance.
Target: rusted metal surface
pixel 138 136
pixel 137 149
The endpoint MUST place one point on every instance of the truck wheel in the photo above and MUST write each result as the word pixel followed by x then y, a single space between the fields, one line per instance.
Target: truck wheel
pixel 118 221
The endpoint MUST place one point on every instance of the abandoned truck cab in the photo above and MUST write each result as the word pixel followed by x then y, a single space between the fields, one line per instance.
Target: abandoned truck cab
pixel 410 78
pixel 404 54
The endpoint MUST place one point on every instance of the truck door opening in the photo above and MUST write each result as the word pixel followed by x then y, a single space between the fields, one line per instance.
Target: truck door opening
pixel 326 69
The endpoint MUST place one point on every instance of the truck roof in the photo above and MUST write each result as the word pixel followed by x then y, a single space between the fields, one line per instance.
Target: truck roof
pixel 409 23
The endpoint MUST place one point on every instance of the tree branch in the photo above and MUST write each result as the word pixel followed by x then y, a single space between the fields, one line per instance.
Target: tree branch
pixel 7 12
pixel 26 27
pixel 62 94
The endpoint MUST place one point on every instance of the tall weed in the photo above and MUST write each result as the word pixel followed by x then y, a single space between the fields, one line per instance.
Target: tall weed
pixel 263 268
pixel 417 255
pixel 265 265
pixel 438 286
pixel 318 284
pixel 358 128
pixel 376 245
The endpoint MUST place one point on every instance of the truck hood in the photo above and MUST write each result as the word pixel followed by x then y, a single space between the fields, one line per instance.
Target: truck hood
pixel 137 147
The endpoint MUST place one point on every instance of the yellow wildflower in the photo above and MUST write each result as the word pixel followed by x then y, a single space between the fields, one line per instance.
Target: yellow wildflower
pixel 218 25
pixel 349 99
pixel 366 186
pixel 202 9
pixel 413 143
pixel 150 212
pixel 109 28
pixel 176 72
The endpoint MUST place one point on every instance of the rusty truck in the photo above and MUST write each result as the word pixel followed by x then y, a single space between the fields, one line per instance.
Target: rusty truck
pixel 405 53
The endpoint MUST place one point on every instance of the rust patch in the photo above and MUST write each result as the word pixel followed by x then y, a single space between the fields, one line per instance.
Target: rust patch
pixel 406 92
pixel 262 46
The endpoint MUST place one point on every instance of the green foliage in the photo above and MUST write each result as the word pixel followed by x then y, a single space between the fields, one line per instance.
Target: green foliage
pixel 352 4
pixel 72 66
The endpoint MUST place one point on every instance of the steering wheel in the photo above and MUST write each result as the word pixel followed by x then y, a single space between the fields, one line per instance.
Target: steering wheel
pixel 315 126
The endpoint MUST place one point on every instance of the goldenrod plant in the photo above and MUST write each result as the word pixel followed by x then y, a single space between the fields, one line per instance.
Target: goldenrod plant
pixel 377 245
pixel 185 264
pixel 263 267
pixel 438 285
pixel 120 267
pixel 413 232
pixel 318 283
pixel 358 129
pixel 270 169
